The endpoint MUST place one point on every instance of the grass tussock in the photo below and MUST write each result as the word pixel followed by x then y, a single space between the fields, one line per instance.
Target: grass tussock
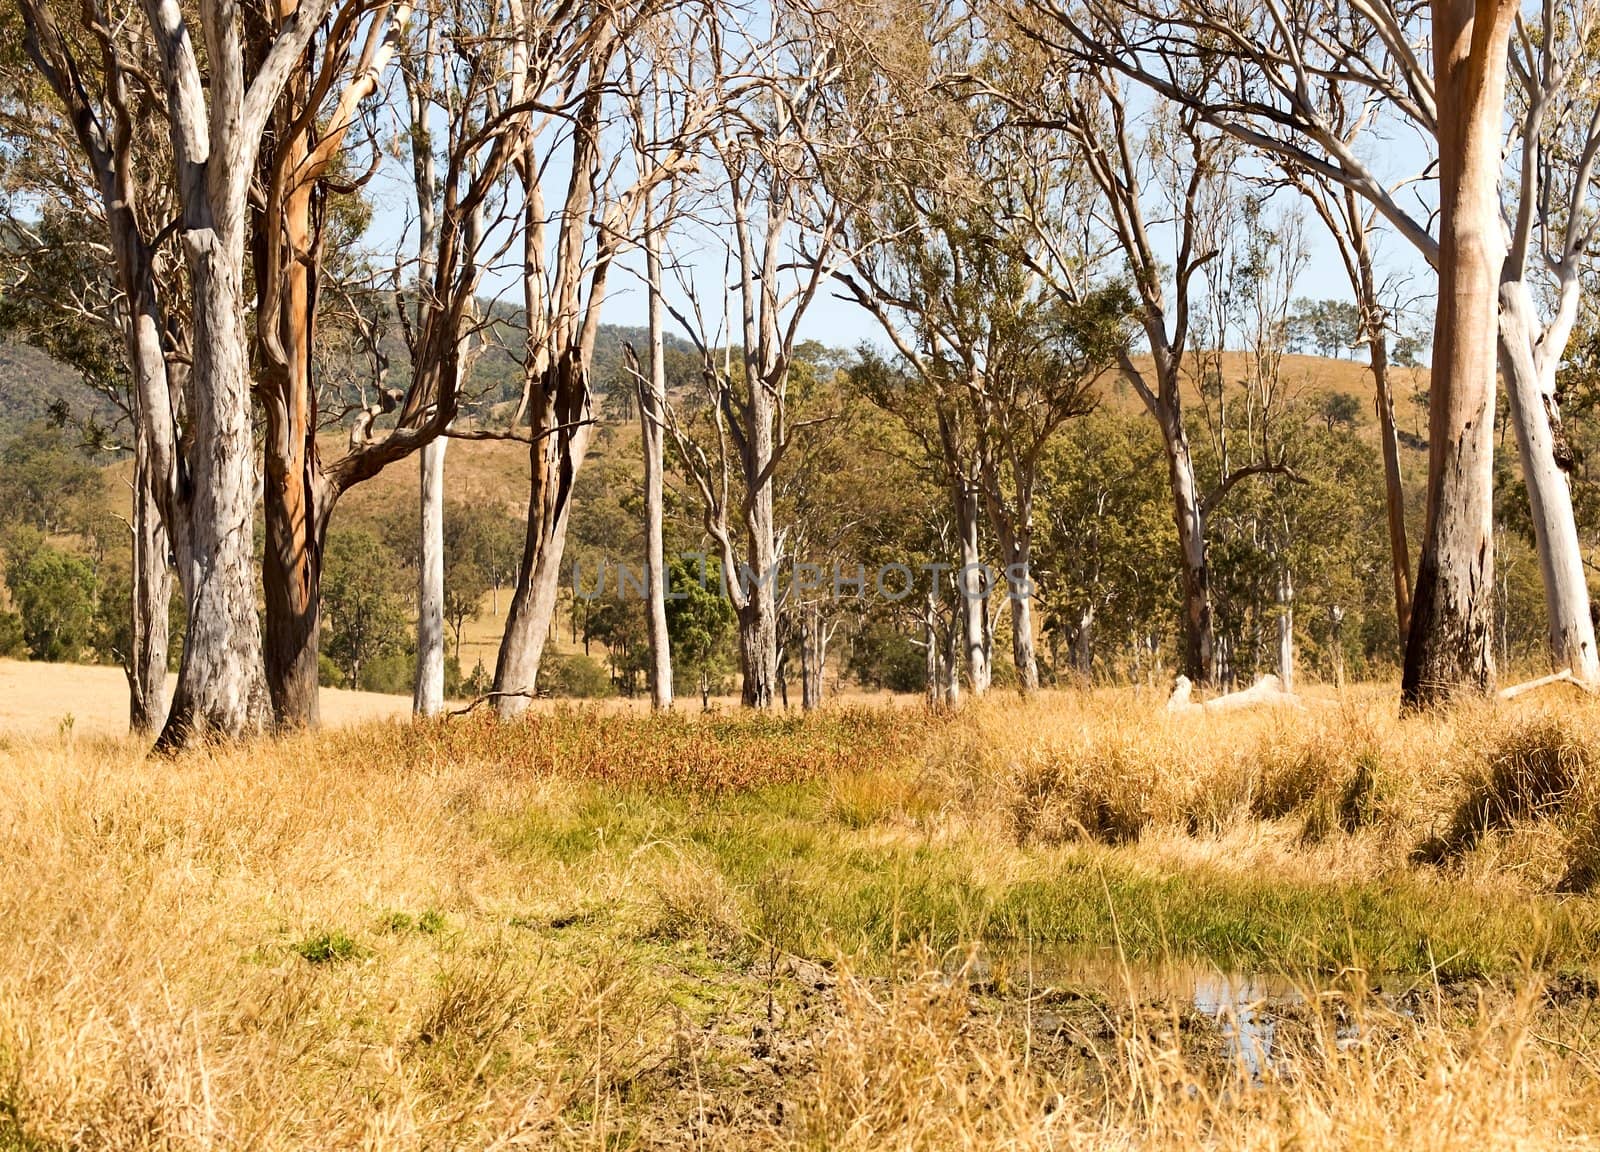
pixel 922 1064
pixel 600 930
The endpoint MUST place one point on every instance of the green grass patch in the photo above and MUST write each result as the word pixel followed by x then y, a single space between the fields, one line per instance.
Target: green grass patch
pixel 328 947
pixel 816 885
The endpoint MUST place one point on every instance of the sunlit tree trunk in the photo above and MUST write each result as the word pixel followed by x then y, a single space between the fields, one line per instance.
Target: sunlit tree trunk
pixel 758 617
pixel 1535 415
pixel 973 593
pixel 561 430
pixel 1286 629
pixel 1450 644
pixel 221 681
pixel 813 658
pixel 146 662
pixel 427 697
pixel 295 498
pixel 1199 635
pixel 652 401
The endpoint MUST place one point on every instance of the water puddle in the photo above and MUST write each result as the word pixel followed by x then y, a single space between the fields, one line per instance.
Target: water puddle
pixel 1246 1007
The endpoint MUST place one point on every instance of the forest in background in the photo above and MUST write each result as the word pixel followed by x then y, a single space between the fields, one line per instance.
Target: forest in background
pixel 1081 233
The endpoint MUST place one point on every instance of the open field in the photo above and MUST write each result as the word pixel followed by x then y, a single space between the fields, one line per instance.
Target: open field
pixel 1072 923
pixel 41 699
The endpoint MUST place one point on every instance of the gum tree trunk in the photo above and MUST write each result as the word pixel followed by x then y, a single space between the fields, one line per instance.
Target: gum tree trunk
pixel 1286 629
pixel 758 617
pixel 1015 545
pixel 146 661
pixel 296 498
pixel 221 681
pixel 813 658
pixel 974 598
pixel 652 403
pixel 1199 635
pixel 1393 489
pixel 561 430
pixel 1449 649
pixel 427 697
pixel 1535 415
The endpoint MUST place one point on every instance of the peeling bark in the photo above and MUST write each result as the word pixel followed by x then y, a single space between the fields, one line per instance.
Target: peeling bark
pixel 1450 646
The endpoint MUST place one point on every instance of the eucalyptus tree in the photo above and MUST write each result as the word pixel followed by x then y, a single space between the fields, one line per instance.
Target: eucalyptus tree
pixel 57 294
pixel 964 240
pixel 565 283
pixel 1262 74
pixel 904 187
pixel 768 81
pixel 663 102
pixel 1163 192
pixel 1552 207
pixel 197 422
pixel 469 80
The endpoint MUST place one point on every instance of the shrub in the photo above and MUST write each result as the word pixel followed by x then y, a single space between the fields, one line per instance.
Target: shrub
pixel 575 677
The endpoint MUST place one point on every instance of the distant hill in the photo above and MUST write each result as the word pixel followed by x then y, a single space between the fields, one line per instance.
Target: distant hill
pixel 30 381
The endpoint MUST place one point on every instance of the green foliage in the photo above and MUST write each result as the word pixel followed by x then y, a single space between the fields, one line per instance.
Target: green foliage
pixel 364 607
pixel 393 671
pixel 46 483
pixel 329 674
pixel 699 622
pixel 575 677
pixel 1327 327
pixel 55 593
pixel 1106 553
pixel 884 657
pixel 13 640
pixel 328 947
pixel 429 923
pixel 482 546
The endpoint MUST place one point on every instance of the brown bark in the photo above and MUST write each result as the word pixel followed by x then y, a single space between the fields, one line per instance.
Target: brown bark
pixel 1450 648
pixel 561 429
pixel 296 499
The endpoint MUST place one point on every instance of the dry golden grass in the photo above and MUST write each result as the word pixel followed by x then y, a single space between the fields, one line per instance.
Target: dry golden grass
pixel 38 700
pixel 601 930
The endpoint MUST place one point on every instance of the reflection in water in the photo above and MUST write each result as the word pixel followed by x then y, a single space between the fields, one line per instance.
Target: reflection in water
pixel 1246 1005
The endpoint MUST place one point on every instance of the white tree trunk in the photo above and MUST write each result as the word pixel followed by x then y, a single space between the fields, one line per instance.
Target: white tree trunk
pixel 1199 632
pixel 974 596
pixel 813 658
pixel 222 688
pixel 1533 413
pixel 1083 644
pixel 652 404
pixel 146 662
pixel 1022 652
pixel 557 456
pixel 1286 629
pixel 428 696
pixel 1016 547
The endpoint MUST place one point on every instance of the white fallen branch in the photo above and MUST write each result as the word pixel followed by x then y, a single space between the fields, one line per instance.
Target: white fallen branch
pixel 1266 691
pixel 1565 676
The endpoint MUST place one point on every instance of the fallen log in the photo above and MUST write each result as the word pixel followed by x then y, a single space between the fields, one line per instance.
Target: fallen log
pixel 1266 691
pixel 1565 676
